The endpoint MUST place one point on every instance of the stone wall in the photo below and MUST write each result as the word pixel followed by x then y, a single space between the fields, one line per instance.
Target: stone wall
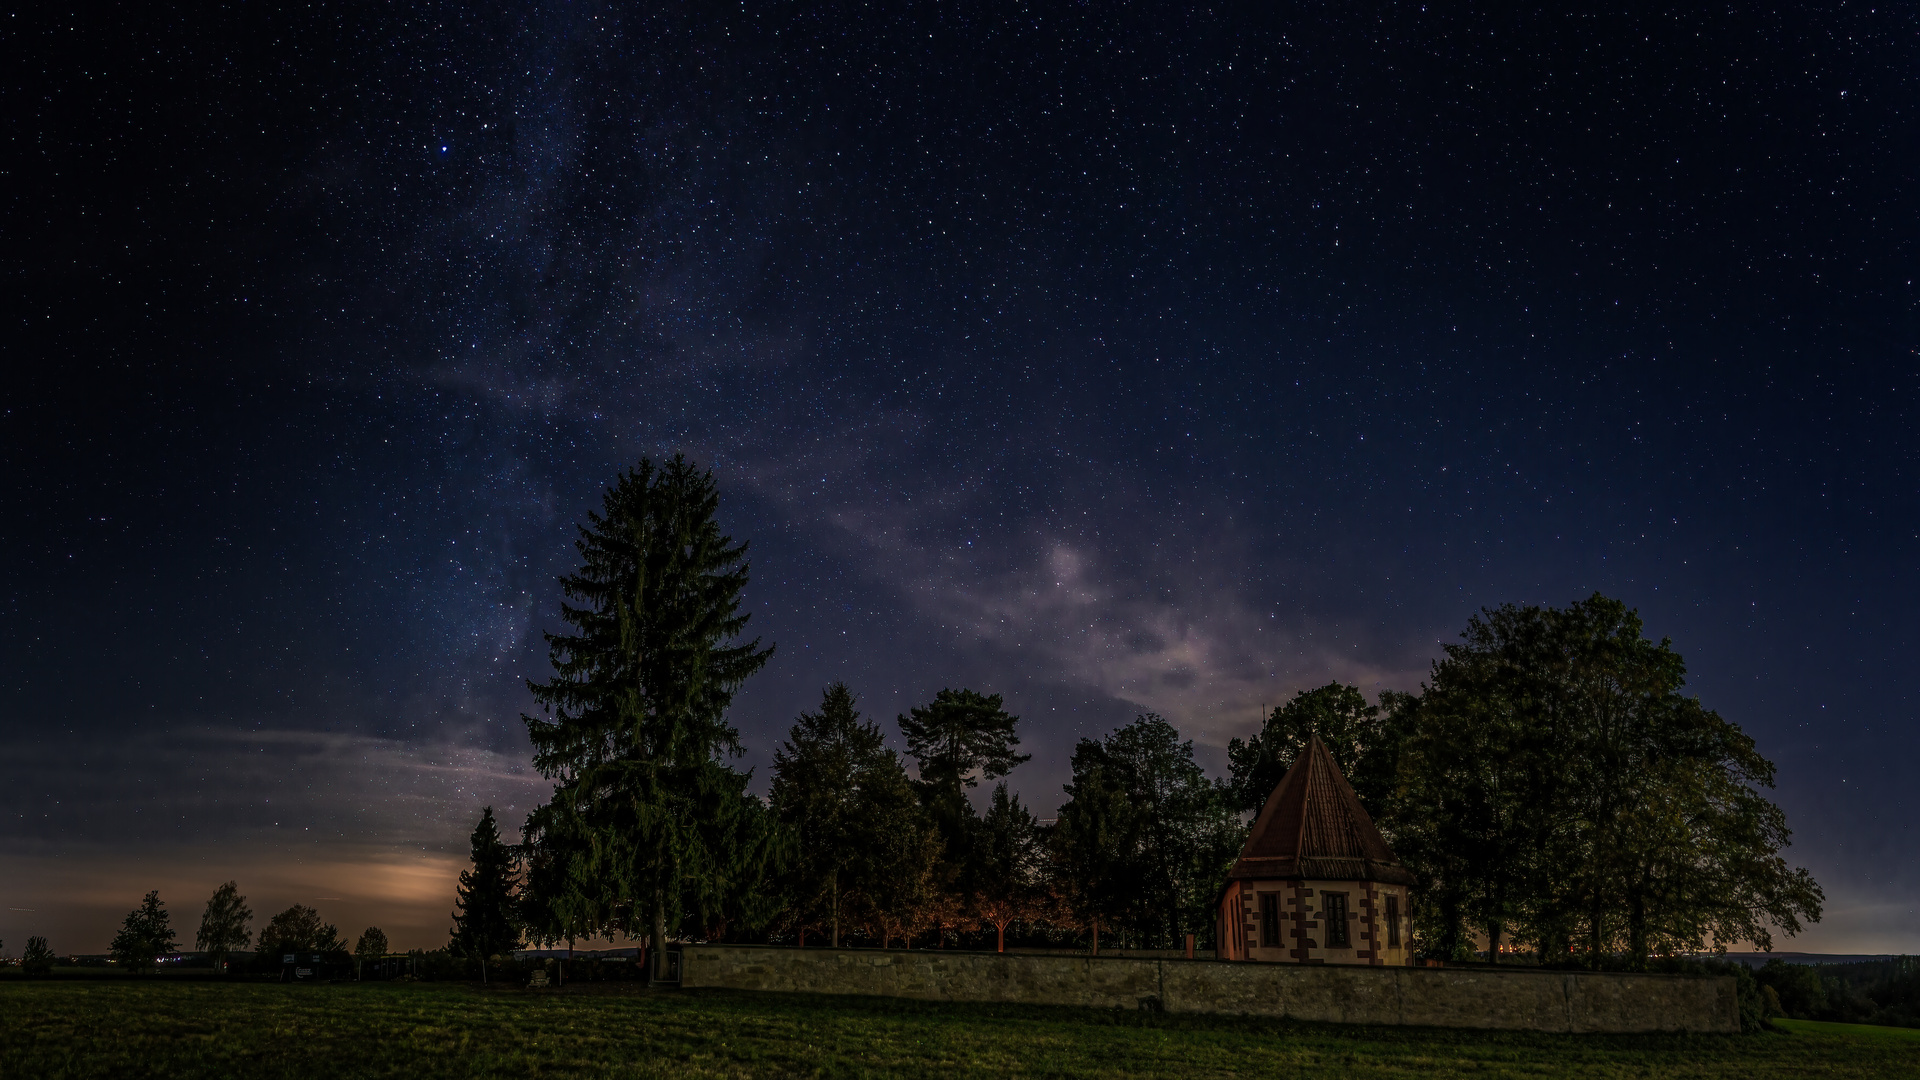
pixel 1515 999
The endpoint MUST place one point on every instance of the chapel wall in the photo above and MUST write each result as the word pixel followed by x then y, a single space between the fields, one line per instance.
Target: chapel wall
pixel 1289 921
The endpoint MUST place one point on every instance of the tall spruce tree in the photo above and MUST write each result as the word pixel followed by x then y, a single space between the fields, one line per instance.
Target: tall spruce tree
pixel 897 873
pixel 486 921
pixel 819 776
pixel 862 845
pixel 1010 861
pixel 648 825
pixel 1093 843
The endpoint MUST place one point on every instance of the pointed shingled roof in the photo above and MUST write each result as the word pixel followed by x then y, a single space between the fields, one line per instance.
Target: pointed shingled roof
pixel 1313 826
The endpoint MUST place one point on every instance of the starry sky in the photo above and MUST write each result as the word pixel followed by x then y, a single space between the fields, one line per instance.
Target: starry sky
pixel 1110 357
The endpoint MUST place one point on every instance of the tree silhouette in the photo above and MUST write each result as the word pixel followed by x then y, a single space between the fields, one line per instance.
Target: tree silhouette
pixel 1559 784
pixel 144 936
pixel 1357 734
pixel 486 921
pixel 1010 865
pixel 37 960
pixel 371 946
pixel 298 929
pixel 648 825
pixel 223 926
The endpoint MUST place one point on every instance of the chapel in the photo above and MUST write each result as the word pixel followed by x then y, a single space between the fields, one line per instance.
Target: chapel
pixel 1316 883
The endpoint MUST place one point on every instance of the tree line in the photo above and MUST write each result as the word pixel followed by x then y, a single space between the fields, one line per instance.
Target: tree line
pixel 1549 785
pixel 146 937
pixel 1880 992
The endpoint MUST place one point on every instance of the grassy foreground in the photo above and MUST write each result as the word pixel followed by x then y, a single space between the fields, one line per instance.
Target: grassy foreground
pixel 115 1028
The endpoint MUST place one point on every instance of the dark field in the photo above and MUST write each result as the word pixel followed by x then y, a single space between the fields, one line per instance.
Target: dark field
pixel 125 1028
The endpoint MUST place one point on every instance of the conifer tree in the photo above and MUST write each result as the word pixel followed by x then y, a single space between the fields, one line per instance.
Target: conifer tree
pixel 1009 864
pixel 223 926
pixel 898 866
pixel 1093 842
pixel 959 739
pixel 860 838
pixel 559 901
pixel 959 733
pixel 486 922
pixel 648 825
pixel 144 936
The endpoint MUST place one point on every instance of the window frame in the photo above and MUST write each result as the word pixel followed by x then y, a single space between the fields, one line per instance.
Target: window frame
pixel 1336 935
pixel 1270 920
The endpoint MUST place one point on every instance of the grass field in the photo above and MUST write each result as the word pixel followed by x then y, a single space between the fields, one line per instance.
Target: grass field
pixel 125 1028
pixel 1865 1031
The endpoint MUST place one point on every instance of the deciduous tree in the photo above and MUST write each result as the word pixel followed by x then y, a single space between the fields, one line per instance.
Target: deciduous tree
pixel 1566 787
pixel 1358 735
pixel 37 960
pixel 223 926
pixel 298 929
pixel 1145 837
pixel 371 946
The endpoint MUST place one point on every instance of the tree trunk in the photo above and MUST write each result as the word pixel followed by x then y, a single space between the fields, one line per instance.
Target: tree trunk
pixel 1096 935
pixel 1596 881
pixel 836 908
pixel 1001 929
pixel 1593 931
pixel 1450 926
pixel 1493 941
pixel 657 944
pixel 1637 931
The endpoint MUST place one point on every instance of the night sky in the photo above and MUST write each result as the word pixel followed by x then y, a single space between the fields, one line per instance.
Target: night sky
pixel 1109 357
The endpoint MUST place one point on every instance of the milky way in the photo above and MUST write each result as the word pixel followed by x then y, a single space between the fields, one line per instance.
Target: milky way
pixel 1112 360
